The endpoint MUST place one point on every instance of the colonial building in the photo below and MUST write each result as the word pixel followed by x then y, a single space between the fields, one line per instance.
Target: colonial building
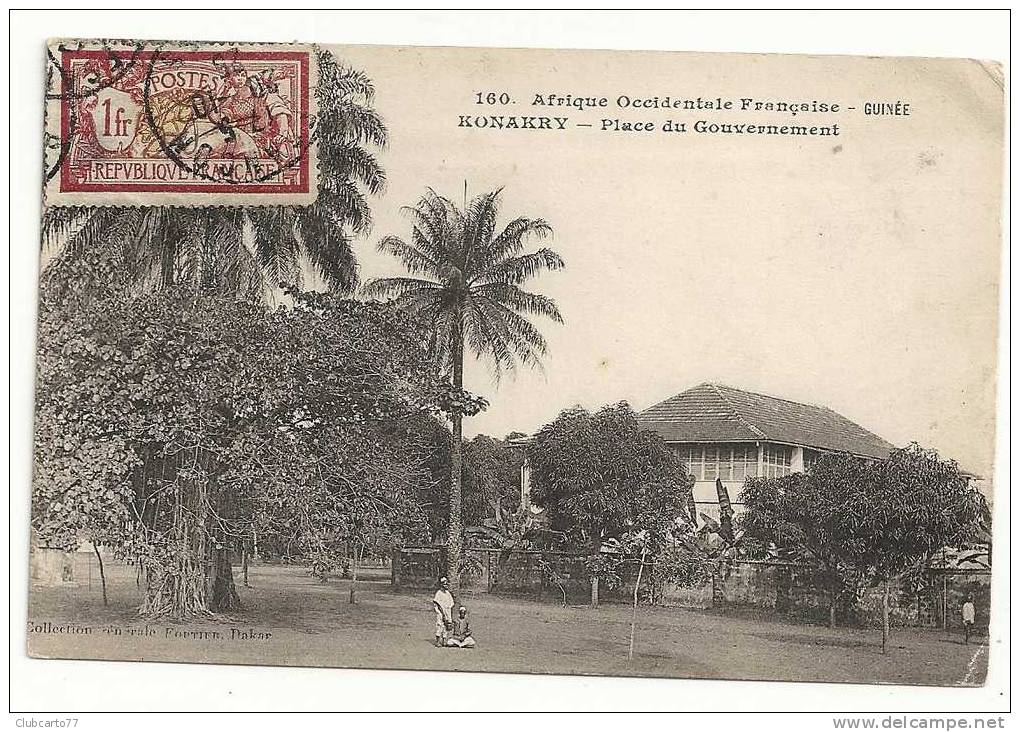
pixel 731 434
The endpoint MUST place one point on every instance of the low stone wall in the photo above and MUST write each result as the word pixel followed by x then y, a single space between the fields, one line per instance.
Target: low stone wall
pixel 417 567
pixel 783 587
pixel 56 567
pixel 52 566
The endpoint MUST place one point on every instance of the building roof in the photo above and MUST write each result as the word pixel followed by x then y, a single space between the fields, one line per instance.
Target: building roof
pixel 718 413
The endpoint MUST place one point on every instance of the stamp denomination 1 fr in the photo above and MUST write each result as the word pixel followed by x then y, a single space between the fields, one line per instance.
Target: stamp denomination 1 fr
pixel 176 124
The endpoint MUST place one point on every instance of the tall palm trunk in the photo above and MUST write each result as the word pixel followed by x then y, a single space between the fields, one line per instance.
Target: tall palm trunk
pixel 455 529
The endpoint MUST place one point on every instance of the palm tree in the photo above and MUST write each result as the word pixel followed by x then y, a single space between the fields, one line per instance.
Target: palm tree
pixel 207 248
pixel 468 290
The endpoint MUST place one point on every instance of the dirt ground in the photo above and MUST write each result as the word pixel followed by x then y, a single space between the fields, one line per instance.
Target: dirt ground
pixel 290 618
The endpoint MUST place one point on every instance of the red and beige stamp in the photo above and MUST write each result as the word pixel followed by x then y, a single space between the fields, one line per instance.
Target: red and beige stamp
pixel 180 124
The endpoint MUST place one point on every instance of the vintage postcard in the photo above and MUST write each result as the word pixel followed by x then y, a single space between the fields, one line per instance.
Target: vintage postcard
pixel 537 361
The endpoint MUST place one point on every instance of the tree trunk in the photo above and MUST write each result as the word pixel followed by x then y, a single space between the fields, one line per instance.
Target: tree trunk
pixel 224 593
pixel 180 589
pixel 833 595
pixel 596 550
pixel 102 573
pixel 244 563
pixel 885 616
pixel 455 529
pixel 633 617
pixel 718 585
pixel 355 562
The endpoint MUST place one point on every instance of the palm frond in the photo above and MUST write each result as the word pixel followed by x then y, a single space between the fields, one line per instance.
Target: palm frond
pixel 236 267
pixel 347 123
pixel 346 206
pixel 341 79
pixel 276 245
pixel 481 224
pixel 328 248
pixel 194 262
pixel 430 245
pixel 93 232
pixel 519 327
pixel 355 163
pixel 426 306
pixel 512 239
pixel 414 260
pixel 518 269
pixel 486 337
pixel 519 300
pixel 475 299
pixel 143 252
pixel 507 338
pixel 59 221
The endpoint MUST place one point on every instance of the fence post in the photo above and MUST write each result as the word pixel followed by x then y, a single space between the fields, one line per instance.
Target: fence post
pixel 945 601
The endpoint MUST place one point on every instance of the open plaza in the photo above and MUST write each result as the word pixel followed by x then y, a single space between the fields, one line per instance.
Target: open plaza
pixel 291 618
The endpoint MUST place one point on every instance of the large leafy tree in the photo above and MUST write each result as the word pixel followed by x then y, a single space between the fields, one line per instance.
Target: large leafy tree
pixel 809 516
pixel 467 284
pixel 248 250
pixel 602 479
pixel 101 257
pixel 864 521
pixel 920 504
pixel 173 427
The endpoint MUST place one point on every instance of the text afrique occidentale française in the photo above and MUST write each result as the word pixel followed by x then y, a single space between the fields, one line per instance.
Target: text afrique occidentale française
pixel 636 115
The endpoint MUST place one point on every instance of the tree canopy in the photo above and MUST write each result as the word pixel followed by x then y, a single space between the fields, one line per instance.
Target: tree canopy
pixel 468 277
pixel 600 476
pixel 492 479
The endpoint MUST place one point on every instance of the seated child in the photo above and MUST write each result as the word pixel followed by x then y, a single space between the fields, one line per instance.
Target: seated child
pixel 461 635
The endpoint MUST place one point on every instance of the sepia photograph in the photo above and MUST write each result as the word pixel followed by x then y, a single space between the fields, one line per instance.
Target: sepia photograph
pixel 518 360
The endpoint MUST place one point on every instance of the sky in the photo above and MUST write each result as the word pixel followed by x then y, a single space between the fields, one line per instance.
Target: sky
pixel 859 272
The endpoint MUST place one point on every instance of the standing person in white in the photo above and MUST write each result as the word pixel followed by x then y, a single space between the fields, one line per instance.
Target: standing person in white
pixel 968 617
pixel 443 603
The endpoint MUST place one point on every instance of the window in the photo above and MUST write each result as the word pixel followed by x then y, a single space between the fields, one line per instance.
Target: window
pixel 711 462
pixel 777 460
pixel 810 458
pixel 693 456
pixel 743 462
pixel 731 462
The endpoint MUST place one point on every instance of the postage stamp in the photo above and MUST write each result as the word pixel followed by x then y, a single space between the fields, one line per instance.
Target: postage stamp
pixel 180 124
